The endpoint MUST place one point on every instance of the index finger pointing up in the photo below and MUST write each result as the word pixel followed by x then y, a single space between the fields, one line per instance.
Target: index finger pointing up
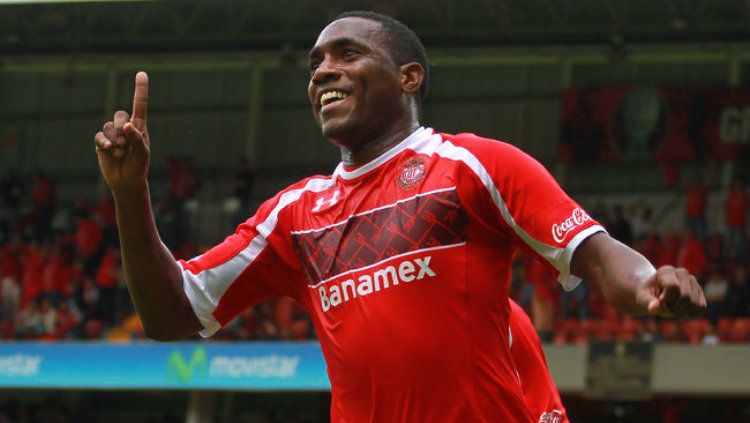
pixel 140 101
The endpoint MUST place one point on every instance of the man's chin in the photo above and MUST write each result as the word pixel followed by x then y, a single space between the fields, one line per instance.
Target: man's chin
pixel 337 133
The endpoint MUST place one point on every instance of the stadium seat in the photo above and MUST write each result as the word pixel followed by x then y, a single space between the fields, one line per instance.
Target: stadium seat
pixel 605 330
pixel 695 329
pixel 724 329
pixel 670 331
pixel 628 329
pixel 565 331
pixel 740 330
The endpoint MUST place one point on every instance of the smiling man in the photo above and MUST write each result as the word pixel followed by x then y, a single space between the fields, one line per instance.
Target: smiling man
pixel 402 255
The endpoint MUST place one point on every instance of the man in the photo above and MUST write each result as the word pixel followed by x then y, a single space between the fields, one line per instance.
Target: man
pixel 402 256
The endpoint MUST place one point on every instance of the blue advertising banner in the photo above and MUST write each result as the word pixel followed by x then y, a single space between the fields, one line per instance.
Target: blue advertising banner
pixel 266 366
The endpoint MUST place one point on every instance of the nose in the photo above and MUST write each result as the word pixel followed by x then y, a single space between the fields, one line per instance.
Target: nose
pixel 326 71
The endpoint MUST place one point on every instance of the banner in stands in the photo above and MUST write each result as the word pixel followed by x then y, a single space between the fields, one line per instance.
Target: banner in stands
pixel 236 366
pixel 635 123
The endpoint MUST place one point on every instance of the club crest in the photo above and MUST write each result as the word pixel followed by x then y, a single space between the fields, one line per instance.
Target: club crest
pixel 412 174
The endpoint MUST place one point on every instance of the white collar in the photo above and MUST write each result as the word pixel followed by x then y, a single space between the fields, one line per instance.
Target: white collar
pixel 419 135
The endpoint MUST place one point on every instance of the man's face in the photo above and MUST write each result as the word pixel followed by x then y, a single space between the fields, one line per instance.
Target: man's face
pixel 354 88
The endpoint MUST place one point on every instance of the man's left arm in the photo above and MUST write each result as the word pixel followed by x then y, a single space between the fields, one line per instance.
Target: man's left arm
pixel 631 284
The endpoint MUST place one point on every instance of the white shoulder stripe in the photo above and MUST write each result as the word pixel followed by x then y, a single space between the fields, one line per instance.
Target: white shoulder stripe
pixel 206 289
pixel 558 257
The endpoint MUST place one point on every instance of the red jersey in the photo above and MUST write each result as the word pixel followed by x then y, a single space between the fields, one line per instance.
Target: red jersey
pixel 404 266
pixel 737 204
pixel 696 198
pixel 539 390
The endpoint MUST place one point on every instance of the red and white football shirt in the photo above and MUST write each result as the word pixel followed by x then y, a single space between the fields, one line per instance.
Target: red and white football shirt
pixel 404 265
pixel 539 390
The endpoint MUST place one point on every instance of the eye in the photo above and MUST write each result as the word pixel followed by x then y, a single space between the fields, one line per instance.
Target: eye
pixel 349 53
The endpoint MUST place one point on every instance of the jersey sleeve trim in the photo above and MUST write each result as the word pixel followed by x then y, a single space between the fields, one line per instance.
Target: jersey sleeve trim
pixel 558 257
pixel 206 286
pixel 569 281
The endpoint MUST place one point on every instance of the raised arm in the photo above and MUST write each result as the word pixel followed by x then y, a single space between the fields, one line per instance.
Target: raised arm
pixel 631 284
pixel 152 274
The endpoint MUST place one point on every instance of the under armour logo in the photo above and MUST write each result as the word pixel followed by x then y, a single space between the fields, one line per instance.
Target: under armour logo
pixel 323 202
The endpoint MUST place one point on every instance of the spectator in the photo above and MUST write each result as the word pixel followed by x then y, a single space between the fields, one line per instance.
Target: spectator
pixel 696 199
pixel 88 240
pixel 738 294
pixel 48 318
pixel 243 184
pixel 715 289
pixel 43 197
pixel 691 254
pixel 104 214
pixel 579 297
pixel 53 272
pixel 643 223
pixel 619 227
pixel 650 246
pixel 106 281
pixel 67 321
pixel 29 322
pixel 10 278
pixel 33 264
pixel 670 249
pixel 736 206
pixel 184 184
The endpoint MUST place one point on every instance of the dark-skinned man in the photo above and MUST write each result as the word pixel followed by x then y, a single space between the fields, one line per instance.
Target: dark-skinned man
pixel 402 256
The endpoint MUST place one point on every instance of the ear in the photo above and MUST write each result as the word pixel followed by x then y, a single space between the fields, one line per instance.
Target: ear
pixel 411 77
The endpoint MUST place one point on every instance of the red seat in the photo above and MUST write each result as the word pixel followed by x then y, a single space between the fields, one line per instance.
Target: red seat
pixel 605 330
pixel 629 328
pixel 740 330
pixel 724 329
pixel 695 329
pixel 565 331
pixel 670 331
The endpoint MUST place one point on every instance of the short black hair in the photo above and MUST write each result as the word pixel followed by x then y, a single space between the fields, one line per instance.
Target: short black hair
pixel 403 43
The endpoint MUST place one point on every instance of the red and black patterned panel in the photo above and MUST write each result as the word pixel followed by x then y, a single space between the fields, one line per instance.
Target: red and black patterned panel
pixel 425 221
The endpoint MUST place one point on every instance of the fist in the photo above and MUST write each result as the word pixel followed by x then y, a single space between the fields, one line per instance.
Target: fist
pixel 673 292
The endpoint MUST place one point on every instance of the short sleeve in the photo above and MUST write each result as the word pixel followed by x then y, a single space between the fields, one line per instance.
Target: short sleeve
pixel 530 204
pixel 253 264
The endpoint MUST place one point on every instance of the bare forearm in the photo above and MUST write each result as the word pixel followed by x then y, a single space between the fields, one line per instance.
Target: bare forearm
pixel 619 271
pixel 151 272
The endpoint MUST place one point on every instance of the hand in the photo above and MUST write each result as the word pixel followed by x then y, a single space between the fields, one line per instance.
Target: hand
pixel 122 147
pixel 673 292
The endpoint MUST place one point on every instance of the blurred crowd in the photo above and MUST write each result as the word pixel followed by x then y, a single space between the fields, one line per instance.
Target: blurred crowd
pixel 717 257
pixel 61 274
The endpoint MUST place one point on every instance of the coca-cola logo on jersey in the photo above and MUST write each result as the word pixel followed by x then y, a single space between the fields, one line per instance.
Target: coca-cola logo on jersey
pixel 576 219
pixel 554 416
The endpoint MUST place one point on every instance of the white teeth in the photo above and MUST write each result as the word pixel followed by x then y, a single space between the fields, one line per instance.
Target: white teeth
pixel 331 96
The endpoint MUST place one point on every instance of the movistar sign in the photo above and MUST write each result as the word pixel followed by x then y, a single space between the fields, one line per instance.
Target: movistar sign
pixel 181 370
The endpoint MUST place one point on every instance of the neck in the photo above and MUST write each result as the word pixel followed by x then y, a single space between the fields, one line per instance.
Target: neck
pixel 366 151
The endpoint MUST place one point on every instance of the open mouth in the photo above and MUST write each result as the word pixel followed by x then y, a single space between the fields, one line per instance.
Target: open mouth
pixel 330 97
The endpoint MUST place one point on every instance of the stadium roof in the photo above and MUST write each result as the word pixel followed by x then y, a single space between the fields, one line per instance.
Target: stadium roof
pixel 232 25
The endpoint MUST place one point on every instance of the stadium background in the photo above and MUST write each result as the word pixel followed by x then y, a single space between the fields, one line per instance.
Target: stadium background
pixel 228 81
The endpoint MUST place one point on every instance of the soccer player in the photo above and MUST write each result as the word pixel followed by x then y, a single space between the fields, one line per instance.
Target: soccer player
pixel 539 390
pixel 402 256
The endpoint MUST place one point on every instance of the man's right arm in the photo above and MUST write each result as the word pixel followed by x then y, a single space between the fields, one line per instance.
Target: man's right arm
pixel 153 277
